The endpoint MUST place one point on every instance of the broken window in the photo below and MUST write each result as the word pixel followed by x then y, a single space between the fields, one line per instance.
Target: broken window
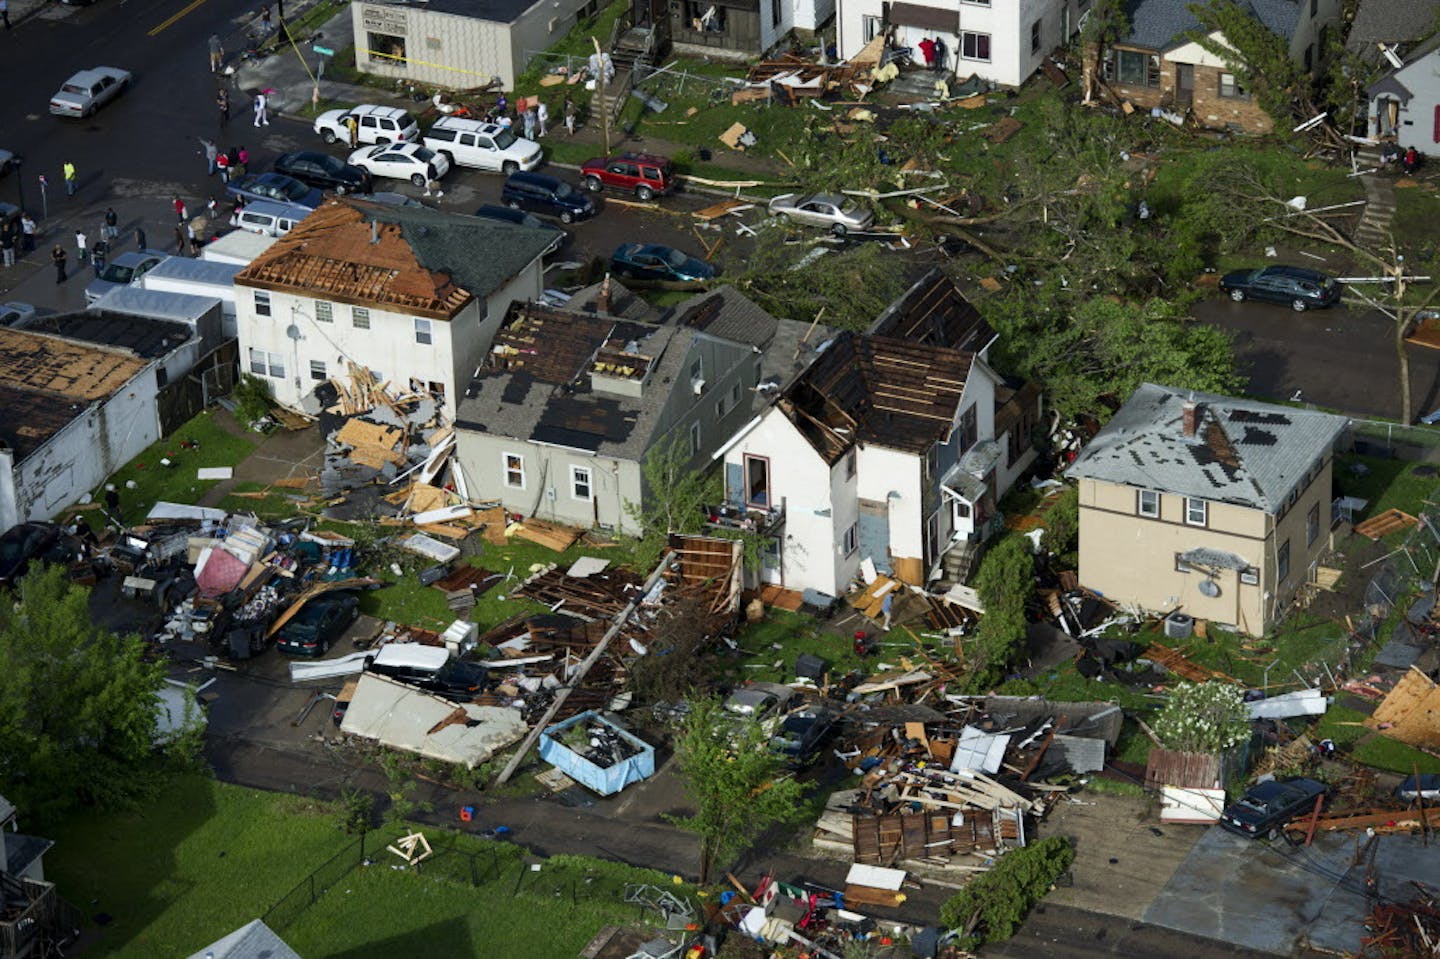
pixel 580 487
pixel 869 28
pixel 1035 37
pixel 975 46
pixel 969 429
pixel 514 470
pixel 387 47
pixel 1231 89
pixel 705 17
pixel 262 303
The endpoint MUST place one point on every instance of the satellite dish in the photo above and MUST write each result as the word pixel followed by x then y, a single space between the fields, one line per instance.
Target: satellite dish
pixel 1209 588
pixel 292 331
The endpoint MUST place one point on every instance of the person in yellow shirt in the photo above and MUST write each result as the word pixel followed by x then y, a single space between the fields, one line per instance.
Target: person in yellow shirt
pixel 70 181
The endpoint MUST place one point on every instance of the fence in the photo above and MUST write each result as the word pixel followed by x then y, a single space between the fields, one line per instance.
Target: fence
pixel 294 903
pixel 1397 439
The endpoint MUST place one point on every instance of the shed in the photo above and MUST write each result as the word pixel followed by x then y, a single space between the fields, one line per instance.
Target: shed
pixel 605 780
pixel 403 717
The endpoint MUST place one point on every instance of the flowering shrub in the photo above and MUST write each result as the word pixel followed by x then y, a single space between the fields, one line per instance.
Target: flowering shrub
pixel 1204 718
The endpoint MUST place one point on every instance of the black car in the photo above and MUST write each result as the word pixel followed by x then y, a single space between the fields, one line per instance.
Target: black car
pixel 1267 807
pixel 800 734
pixel 546 196
pixel 1296 286
pixel 1427 787
pixel 323 172
pixel 319 623
pixel 30 542
pixel 275 186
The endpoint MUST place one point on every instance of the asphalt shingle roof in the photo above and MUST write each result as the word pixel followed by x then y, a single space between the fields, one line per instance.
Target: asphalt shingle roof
pixel 1162 24
pixel 254 940
pixel 1244 452
pixel 1388 21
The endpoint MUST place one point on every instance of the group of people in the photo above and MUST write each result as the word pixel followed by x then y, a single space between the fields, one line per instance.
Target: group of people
pixel 97 253
pixel 531 118
pixel 1409 159
pixel 932 51
pixel 229 163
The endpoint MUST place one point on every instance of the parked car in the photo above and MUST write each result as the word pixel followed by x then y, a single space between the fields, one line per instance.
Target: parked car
pixel 1427 787
pixel 269 218
pixel 375 124
pixel 275 186
pixel 320 622
pixel 838 214
pixel 430 668
pixel 801 733
pixel 15 313
pixel 401 161
pixel 88 91
pixel 643 174
pixel 125 270
pixel 484 146
pixel 651 261
pixel 503 214
pixel 546 196
pixel 1266 807
pixel 762 702
pixel 1303 289
pixel 31 542
pixel 323 172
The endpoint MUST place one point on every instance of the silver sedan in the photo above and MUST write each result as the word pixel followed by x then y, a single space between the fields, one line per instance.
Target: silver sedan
pixel 89 90
pixel 838 214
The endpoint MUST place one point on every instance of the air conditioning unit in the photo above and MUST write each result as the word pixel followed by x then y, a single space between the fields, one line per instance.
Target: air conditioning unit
pixel 1179 626
pixel 697 385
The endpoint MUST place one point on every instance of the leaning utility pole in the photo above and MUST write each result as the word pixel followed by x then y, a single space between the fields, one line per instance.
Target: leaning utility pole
pixel 600 97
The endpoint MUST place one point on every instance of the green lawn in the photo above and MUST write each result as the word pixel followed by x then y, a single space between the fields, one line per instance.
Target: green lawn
pixel 1387 483
pixel 177 483
pixel 205 858
pixel 1366 746
pixel 772 645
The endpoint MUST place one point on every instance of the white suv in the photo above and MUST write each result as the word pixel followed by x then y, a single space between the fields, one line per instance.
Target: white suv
pixel 485 146
pixel 376 124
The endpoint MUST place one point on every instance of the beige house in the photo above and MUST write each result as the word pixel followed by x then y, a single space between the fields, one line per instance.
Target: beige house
pixel 1214 506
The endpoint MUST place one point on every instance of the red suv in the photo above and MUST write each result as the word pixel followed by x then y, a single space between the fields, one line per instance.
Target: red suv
pixel 642 174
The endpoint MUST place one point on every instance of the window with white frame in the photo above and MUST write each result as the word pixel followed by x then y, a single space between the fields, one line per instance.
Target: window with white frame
pixel 266 364
pixel 514 470
pixel 1147 503
pixel 262 303
pixel 581 487
pixel 1197 512
pixel 695 438
pixel 1231 89
pixel 422 331
pixel 1250 576
pixel 317 370
pixel 870 28
pixel 324 312
pixel 975 46
pixel 359 317
pixel 852 539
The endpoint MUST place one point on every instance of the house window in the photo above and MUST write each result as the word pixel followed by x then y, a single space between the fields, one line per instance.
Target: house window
pixel 1197 512
pixel 757 480
pixel 720 408
pixel 1147 503
pixel 262 303
pixel 969 429
pixel 1250 576
pixel 852 539
pixel 1312 525
pixel 1282 563
pixel 775 13
pixel 735 393
pixel 266 364
pixel 1181 566
pixel 850 465
pixel 1035 37
pixel 580 487
pixel 1133 67
pixel 387 48
pixel 975 46
pixel 705 17
pixel 869 28
pixel 360 317
pixel 696 369
pixel 324 312
pixel 422 331
pixel 514 470
pixel 1231 89
pixel 695 438
pixel 317 370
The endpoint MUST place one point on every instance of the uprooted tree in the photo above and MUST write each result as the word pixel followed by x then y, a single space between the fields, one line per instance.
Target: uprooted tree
pixel 991 906
pixel 847 289
pixel 1005 584
pixel 734 780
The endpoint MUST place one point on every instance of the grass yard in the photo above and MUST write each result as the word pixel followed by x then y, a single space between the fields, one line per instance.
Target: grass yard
pixel 1342 724
pixel 1387 483
pixel 177 483
pixel 770 647
pixel 206 857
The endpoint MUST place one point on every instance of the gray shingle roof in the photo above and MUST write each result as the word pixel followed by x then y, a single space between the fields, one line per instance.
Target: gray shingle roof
pixel 254 940
pixel 1388 21
pixel 729 314
pixel 1244 452
pixel 1163 24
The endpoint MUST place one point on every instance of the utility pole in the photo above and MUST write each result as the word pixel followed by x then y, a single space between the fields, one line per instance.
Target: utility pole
pixel 600 96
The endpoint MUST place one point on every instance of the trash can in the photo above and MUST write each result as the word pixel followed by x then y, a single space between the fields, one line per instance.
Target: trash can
pixel 1179 626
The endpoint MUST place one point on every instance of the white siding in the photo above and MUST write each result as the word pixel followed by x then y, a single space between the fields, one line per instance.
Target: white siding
pixel 613 482
pixel 883 472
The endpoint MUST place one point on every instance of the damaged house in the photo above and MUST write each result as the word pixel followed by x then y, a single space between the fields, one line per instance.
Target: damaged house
pixel 411 294
pixel 1214 506
pixel 892 446
pixel 560 419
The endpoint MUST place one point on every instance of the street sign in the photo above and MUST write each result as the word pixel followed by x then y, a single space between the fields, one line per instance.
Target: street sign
pixel 323 51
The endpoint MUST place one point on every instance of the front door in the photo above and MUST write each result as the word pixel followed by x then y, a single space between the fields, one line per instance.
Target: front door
pixel 1184 84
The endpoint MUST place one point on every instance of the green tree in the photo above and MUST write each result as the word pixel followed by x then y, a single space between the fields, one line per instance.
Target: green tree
pixel 734 780
pixel 1105 24
pixel 675 494
pixel 1005 583
pixel 1204 718
pixel 847 289
pixel 991 906
pixel 78 708
pixel 1062 522
pixel 1257 56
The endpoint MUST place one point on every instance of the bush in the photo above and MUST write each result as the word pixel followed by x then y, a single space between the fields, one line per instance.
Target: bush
pixel 1062 523
pixel 356 813
pixel 1204 718
pixel 993 904
pixel 252 399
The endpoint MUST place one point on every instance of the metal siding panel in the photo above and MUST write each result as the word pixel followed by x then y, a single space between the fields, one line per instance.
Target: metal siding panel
pixel 874 539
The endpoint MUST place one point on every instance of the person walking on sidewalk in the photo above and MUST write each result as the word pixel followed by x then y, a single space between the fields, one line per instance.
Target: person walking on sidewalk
pixel 222 100
pixel 71 182
pixel 57 256
pixel 112 224
pixel 27 233
pixel 178 205
pixel 261 102
pixel 569 115
pixel 211 151
pixel 217 53
pixel 542 117
pixel 82 243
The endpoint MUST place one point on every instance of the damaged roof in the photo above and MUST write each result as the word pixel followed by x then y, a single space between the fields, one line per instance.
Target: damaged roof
pixel 142 336
pixel 934 312
pixel 787 347
pixel 1163 24
pixel 409 259
pixel 1243 452
pixel 46 381
pixel 1391 22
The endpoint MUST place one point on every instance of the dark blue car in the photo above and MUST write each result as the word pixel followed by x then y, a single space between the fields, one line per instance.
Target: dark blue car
pixel 1294 286
pixel 546 196
pixel 651 261
pixel 274 186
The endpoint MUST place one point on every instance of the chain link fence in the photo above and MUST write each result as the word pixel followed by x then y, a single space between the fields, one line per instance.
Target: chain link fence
pixel 294 903
pixel 1379 436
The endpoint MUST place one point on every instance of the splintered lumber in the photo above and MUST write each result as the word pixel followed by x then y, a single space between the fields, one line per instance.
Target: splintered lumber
pixel 717 210
pixel 358 432
pixel 551 535
pixel 1175 662
pixel 1385 523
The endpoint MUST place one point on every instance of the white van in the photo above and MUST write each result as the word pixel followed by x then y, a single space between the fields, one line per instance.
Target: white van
pixel 269 219
pixel 484 146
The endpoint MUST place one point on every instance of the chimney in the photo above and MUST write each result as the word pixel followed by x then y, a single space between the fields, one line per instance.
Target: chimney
pixel 374 231
pixel 1190 415
pixel 602 299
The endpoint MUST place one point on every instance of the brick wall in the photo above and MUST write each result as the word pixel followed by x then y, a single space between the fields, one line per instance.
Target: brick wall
pixel 1209 108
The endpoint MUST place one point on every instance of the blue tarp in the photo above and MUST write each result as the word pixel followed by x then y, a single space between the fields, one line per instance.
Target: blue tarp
pixel 605 781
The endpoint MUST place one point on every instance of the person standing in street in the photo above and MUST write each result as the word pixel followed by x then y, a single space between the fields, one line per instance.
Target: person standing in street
pixel 178 205
pixel 265 21
pixel 542 117
pixel 5 12
pixel 210 150
pixel 180 239
pixel 352 125
pixel 112 224
pixel 528 119
pixel 222 163
pixel 57 256
pixel 7 246
pixel 27 233
pixel 139 238
pixel 99 254
pixel 217 53
pixel 82 244
pixel 71 180
pixel 222 100
pixel 261 102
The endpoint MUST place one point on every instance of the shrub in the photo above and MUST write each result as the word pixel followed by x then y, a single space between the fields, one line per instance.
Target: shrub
pixel 993 904
pixel 1204 718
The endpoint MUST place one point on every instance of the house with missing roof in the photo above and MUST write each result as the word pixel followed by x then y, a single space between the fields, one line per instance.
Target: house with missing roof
pixel 893 446
pixel 1158 65
pixel 559 421
pixel 412 294
pixel 1216 507
pixel 82 398
pixel 1405 102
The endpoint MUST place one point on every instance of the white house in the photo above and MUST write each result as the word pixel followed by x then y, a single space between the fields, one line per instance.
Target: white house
pixel 412 294
pixel 742 28
pixel 1003 41
pixel 885 448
